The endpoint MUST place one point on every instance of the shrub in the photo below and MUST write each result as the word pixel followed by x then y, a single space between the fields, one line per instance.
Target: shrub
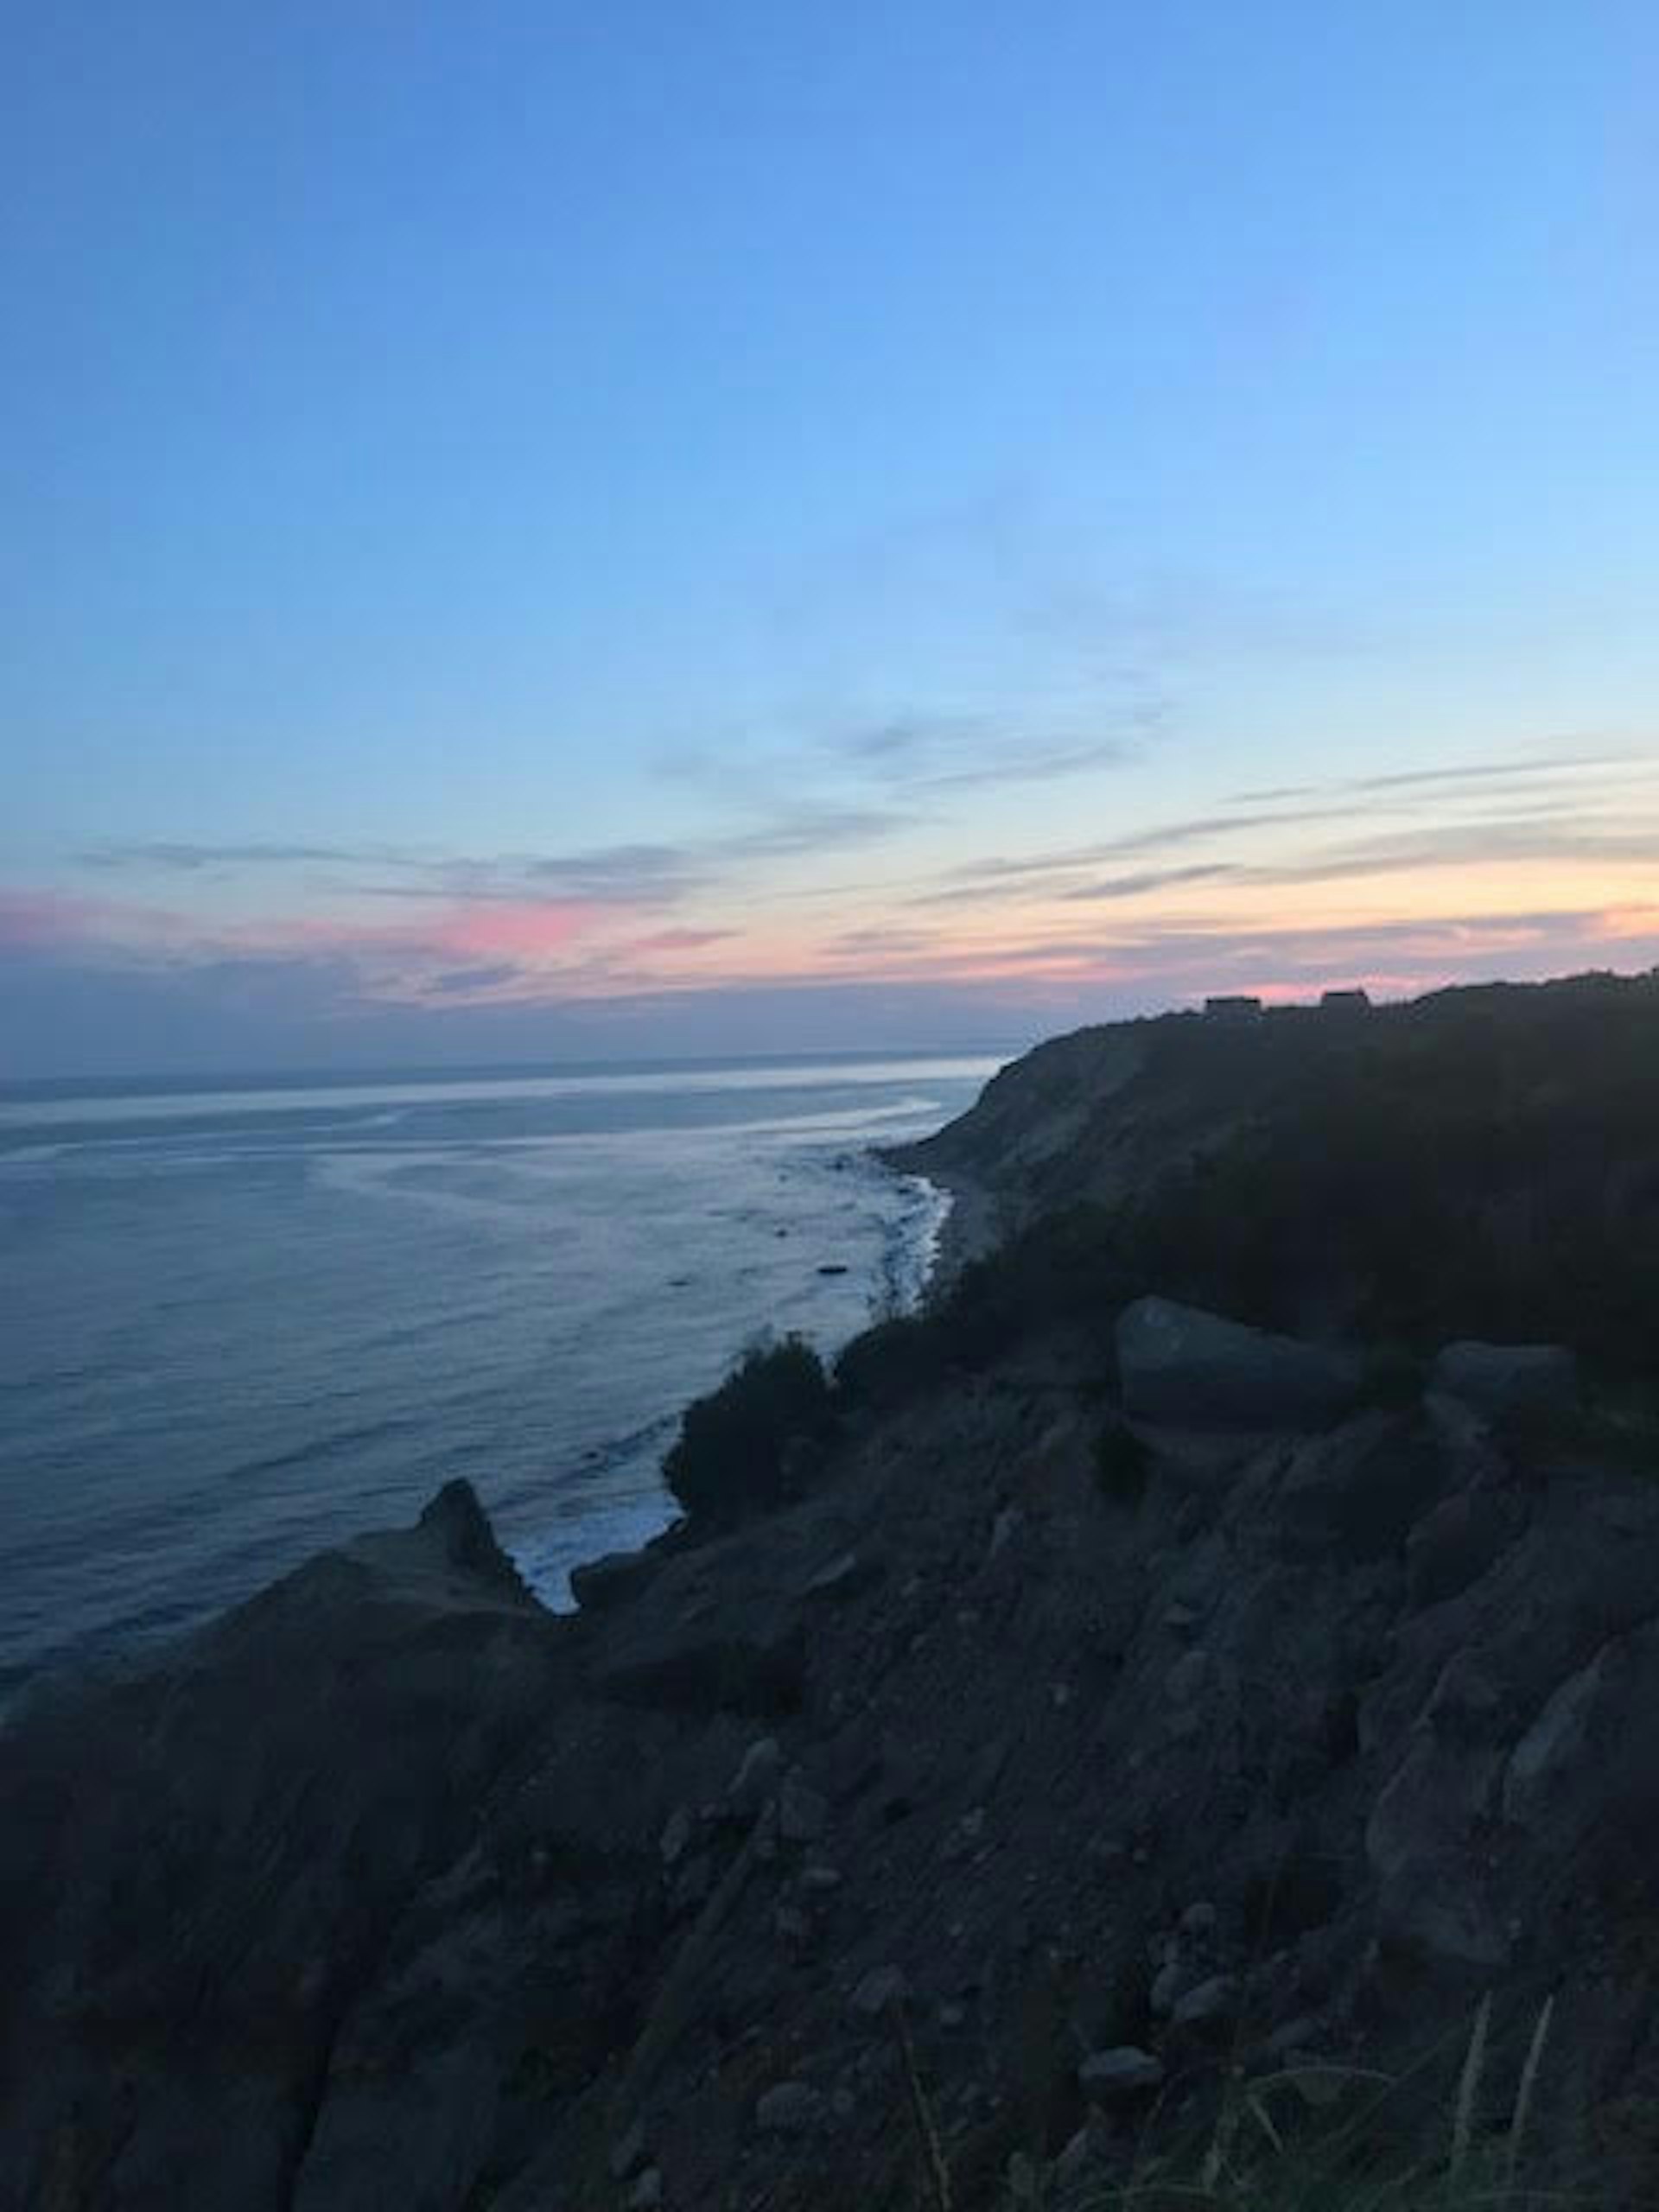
pixel 895 1360
pixel 1395 1379
pixel 734 1453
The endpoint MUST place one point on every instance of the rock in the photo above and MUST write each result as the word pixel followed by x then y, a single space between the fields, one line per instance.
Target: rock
pixel 1542 1764
pixel 880 1991
pixel 1214 2003
pixel 802 1813
pixel 1502 1379
pixel 612 1579
pixel 1628 1512
pixel 1453 1545
pixel 1432 1897
pixel 820 1877
pixel 1128 2071
pixel 790 2108
pixel 1165 1988
pixel 303 1769
pixel 1187 1677
pixel 1071 2165
pixel 676 1834
pixel 842 1576
pixel 757 1776
pixel 628 2153
pixel 1195 1369
pixel 693 1883
pixel 1198 1919
pixel 743 1656
pixel 647 2192
pixel 1356 1491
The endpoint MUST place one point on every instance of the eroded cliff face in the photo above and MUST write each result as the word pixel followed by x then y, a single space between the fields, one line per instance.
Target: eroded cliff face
pixel 392 1891
pixel 1133 1710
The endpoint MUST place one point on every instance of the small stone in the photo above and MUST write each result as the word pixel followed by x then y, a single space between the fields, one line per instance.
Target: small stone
pixel 840 1576
pixel 1181 1619
pixel 628 2152
pixel 1212 2001
pixel 1003 1527
pixel 757 1776
pixel 820 1877
pixel 1060 1695
pixel 802 1813
pixel 881 1989
pixel 647 2192
pixel 677 1834
pixel 789 2108
pixel 952 2015
pixel 1296 2037
pixel 1127 2071
pixel 1198 1919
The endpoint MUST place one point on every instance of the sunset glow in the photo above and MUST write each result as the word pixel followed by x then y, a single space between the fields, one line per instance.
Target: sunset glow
pixel 700 556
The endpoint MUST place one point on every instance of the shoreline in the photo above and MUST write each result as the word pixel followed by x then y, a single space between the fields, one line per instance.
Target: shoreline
pixel 970 1230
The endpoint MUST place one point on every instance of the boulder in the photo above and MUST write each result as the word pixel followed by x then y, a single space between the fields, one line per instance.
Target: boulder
pixel 1178 1364
pixel 1504 1379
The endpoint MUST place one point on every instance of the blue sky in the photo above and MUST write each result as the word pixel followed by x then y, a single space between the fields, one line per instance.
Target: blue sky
pixel 532 530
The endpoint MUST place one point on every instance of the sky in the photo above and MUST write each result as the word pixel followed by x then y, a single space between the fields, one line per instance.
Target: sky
pixel 538 531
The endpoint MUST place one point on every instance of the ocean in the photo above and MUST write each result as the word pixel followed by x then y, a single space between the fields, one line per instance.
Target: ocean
pixel 241 1322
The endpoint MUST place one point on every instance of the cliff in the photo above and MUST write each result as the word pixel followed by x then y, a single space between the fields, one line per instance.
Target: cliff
pixel 1139 1751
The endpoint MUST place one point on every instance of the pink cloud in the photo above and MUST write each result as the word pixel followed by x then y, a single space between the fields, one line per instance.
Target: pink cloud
pixel 42 920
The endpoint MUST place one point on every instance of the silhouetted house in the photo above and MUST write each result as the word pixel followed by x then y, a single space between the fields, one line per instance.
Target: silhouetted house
pixel 1238 1009
pixel 1345 1001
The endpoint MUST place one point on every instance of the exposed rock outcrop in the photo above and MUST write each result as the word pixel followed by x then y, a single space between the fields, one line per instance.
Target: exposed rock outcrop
pixel 391 1890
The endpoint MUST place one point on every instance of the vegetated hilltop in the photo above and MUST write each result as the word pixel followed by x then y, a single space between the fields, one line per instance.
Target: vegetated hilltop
pixel 1482 1161
pixel 1080 1744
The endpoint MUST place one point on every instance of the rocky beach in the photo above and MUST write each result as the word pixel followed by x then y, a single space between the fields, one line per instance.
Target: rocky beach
pixel 1191 1709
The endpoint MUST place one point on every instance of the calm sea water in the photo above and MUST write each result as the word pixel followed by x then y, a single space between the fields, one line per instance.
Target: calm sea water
pixel 239 1324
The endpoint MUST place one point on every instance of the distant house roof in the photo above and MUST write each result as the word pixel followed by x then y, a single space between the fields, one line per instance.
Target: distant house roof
pixel 1349 1001
pixel 1232 1007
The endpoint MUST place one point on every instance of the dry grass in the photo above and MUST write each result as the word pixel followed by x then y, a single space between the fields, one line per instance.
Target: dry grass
pixel 1326 2137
